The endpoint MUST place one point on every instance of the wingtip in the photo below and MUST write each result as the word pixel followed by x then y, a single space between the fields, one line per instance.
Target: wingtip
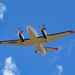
pixel 72 31
pixel 56 49
pixel 0 42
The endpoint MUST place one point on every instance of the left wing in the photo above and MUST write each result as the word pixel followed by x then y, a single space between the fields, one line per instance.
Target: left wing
pixel 52 37
pixel 27 42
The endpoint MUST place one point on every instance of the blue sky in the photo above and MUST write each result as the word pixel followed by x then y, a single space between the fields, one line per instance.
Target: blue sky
pixel 58 16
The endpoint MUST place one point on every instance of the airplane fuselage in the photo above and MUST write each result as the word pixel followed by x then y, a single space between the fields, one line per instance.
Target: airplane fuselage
pixel 33 35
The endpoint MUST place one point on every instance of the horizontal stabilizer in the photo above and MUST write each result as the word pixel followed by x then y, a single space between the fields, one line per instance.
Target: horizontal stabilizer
pixel 46 49
pixel 50 49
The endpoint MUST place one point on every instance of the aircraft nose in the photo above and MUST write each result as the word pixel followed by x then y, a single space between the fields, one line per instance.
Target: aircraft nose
pixel 28 27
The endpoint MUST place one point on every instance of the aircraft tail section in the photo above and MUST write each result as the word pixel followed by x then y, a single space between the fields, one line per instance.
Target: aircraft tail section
pixel 40 49
pixel 46 49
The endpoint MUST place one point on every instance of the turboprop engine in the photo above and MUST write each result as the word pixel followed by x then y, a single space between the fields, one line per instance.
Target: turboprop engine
pixel 43 30
pixel 20 35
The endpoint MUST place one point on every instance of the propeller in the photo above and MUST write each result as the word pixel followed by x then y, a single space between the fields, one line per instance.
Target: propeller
pixel 42 26
pixel 19 29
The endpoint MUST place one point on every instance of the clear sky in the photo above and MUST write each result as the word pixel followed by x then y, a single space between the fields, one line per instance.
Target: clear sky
pixel 58 16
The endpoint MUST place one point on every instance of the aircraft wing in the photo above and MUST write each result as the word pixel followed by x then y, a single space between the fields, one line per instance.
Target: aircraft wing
pixel 27 42
pixel 52 37
pixel 41 49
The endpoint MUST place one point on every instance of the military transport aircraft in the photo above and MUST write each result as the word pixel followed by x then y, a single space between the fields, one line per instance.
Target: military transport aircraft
pixel 37 41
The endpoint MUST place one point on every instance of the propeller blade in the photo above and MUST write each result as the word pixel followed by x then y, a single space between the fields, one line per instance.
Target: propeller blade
pixel 20 30
pixel 43 25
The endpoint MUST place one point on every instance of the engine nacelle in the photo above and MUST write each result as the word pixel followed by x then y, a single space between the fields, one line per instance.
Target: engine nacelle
pixel 20 35
pixel 43 30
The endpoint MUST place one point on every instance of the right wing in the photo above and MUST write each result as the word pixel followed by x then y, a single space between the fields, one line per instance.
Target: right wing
pixel 27 42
